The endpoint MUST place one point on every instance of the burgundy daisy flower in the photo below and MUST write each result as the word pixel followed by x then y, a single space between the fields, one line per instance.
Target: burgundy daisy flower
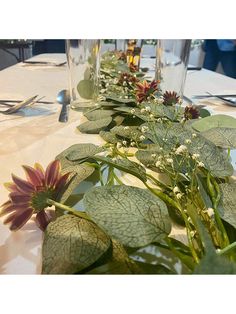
pixel 170 98
pixel 145 90
pixel 28 197
pixel 191 112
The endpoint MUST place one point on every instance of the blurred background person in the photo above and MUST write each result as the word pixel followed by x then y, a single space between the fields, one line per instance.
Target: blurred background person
pixel 221 51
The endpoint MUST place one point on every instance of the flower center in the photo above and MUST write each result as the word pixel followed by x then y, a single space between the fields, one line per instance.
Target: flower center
pixel 39 199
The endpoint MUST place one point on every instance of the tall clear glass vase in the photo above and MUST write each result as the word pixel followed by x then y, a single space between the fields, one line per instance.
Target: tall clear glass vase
pixel 83 56
pixel 171 64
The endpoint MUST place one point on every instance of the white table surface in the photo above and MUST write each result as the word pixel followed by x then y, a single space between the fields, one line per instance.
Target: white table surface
pixel 38 137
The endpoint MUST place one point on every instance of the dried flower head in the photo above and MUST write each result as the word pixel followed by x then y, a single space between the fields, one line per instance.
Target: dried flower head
pixel 28 197
pixel 126 78
pixel 191 112
pixel 144 90
pixel 170 98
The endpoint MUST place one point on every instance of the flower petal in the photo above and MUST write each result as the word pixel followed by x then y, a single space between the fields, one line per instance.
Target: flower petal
pixel 62 181
pixel 18 198
pixel 8 208
pixel 10 186
pixel 42 219
pixel 22 185
pixel 5 204
pixel 52 173
pixel 20 219
pixel 33 176
pixel 40 170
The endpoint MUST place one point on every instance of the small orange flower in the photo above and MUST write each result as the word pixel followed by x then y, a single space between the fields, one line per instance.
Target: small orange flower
pixel 145 90
pixel 28 197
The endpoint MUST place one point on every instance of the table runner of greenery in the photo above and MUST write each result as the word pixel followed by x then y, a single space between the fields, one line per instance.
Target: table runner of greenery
pixel 179 155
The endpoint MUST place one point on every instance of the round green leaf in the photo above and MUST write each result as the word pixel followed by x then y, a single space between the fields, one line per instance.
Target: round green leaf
pixel 94 127
pixel 80 151
pixel 86 89
pixel 215 121
pixel 109 137
pixel 98 114
pixel 222 137
pixel 133 216
pixel 71 244
pixel 228 202
pixel 83 151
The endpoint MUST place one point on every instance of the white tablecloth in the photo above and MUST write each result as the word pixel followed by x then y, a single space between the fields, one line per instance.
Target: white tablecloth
pixel 38 136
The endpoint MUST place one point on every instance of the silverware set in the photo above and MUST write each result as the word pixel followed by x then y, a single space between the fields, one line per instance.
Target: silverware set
pixel 50 63
pixel 13 108
pixel 224 97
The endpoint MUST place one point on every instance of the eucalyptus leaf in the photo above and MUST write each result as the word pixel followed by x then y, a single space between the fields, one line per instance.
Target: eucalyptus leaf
pixel 174 134
pixel 99 114
pixel 148 157
pixel 119 263
pixel 128 110
pixel 109 137
pixel 110 104
pixel 160 110
pixel 212 264
pixel 83 151
pixel 87 73
pixel 78 152
pixel 78 173
pixel 204 191
pixel 222 137
pixel 86 89
pixel 118 120
pixel 130 132
pixel 228 203
pixel 137 113
pixel 94 127
pixel 204 113
pixel 120 100
pixel 214 121
pixel 71 244
pixel 133 216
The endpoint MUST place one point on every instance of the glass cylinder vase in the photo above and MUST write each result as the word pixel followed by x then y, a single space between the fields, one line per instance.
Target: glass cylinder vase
pixel 83 57
pixel 171 64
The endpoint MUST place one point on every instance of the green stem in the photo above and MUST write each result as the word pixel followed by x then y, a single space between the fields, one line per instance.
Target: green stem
pixel 68 209
pixel 214 192
pixel 117 179
pixel 125 155
pixel 227 249
pixel 169 201
pixel 161 184
pixel 110 178
pixel 184 259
